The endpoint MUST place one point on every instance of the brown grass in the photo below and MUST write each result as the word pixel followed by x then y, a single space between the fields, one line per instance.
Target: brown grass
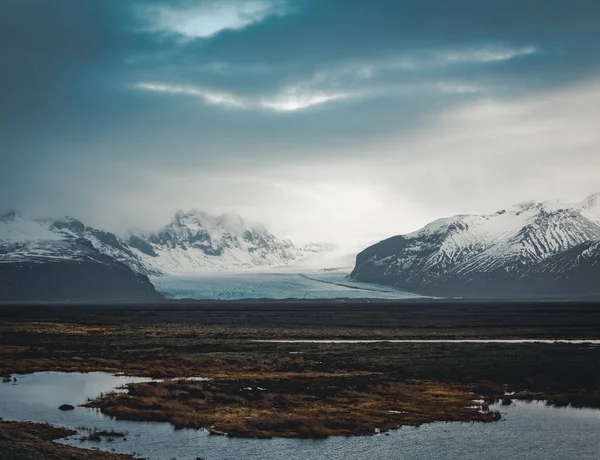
pixel 99 435
pixel 34 441
pixel 327 389
pixel 307 406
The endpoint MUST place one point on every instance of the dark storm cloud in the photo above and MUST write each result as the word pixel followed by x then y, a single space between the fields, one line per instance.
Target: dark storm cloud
pixel 94 86
pixel 70 61
pixel 325 33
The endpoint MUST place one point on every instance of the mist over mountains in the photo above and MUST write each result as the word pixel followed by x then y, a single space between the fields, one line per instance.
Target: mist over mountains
pixel 531 250
pixel 193 242
pixel 65 259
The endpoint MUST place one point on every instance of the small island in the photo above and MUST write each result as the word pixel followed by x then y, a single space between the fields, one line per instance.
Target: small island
pixel 262 377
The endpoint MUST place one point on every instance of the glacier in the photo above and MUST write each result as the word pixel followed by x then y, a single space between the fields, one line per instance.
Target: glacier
pixel 285 284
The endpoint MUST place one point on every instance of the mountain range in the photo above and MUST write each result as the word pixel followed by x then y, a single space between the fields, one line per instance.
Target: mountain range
pixel 531 250
pixel 37 263
pixel 546 249
pixel 193 242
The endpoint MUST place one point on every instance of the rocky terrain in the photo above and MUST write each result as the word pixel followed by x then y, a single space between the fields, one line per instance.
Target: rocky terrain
pixel 65 259
pixel 39 264
pixel 529 250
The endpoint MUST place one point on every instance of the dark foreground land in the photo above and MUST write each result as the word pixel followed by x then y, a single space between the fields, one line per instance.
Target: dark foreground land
pixel 264 389
pixel 33 441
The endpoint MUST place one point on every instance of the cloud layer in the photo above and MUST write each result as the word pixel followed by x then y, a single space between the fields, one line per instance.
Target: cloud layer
pixel 326 120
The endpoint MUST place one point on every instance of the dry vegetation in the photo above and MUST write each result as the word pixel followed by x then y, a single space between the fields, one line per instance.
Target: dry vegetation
pixel 310 406
pixel 96 435
pixel 263 389
pixel 33 441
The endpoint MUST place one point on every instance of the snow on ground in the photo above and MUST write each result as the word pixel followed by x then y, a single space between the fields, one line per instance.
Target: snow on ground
pixel 15 229
pixel 591 207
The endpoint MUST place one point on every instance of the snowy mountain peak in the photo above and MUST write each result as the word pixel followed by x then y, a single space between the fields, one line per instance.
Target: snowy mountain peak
pixel 10 215
pixel 14 228
pixel 525 205
pixel 228 222
pixel 235 224
pixel 593 199
pixel 184 218
pixel 66 223
pixel 592 204
pixel 466 248
pixel 192 242
pixel 591 207
pixel 209 233
pixel 197 241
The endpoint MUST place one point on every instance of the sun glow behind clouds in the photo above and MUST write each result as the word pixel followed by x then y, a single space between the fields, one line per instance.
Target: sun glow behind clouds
pixel 293 99
pixel 209 18
pixel 288 100
pixel 325 210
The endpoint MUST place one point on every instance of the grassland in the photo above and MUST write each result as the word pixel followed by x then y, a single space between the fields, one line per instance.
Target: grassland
pixel 264 389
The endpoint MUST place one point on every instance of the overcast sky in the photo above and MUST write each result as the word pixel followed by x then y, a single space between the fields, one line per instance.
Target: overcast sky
pixel 339 120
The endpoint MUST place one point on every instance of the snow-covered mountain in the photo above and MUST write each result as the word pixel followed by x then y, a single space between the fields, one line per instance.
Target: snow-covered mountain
pixel 195 242
pixel 104 242
pixel 529 249
pixel 65 259
pixel 37 263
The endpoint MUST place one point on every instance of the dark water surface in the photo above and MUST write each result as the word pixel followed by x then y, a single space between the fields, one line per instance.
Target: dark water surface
pixel 527 431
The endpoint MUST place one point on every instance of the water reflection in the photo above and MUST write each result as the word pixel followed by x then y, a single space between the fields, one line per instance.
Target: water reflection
pixel 528 431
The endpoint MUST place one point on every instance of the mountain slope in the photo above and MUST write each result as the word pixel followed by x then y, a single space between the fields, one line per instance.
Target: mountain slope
pixel 532 249
pixel 104 242
pixel 195 242
pixel 37 264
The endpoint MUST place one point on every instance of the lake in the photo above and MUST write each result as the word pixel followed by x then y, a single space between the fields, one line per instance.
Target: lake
pixel 528 431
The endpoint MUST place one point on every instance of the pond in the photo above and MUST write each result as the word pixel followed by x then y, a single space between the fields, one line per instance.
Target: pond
pixel 528 431
pixel 592 343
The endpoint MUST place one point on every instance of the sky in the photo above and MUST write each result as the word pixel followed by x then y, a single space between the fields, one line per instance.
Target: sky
pixel 327 120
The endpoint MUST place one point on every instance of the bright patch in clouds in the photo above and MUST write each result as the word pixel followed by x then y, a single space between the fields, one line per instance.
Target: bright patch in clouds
pixel 350 80
pixel 295 98
pixel 209 18
pixel 209 96
pixel 290 99
pixel 488 54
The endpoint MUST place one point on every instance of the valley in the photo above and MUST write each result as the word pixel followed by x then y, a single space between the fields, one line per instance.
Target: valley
pixel 543 250
pixel 282 284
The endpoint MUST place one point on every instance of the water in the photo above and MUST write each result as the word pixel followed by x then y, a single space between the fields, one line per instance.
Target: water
pixel 528 431
pixel 39 395
pixel 550 341
pixel 284 285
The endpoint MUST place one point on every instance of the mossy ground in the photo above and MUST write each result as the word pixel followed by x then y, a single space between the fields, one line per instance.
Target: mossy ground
pixel 34 441
pixel 263 389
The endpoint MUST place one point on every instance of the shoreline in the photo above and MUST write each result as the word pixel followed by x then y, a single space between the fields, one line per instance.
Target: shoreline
pixel 265 385
pixel 36 441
